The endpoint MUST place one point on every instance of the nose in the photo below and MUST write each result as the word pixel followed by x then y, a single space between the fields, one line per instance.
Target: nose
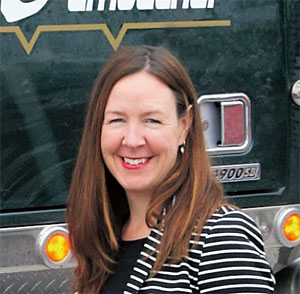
pixel 134 136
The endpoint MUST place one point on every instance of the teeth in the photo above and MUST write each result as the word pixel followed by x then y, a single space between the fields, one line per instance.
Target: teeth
pixel 135 161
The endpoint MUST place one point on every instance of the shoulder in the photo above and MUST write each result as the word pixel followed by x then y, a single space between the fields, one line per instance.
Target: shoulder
pixel 232 254
pixel 233 225
pixel 230 215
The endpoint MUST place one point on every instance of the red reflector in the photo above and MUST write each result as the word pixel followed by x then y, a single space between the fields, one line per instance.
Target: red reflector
pixel 233 123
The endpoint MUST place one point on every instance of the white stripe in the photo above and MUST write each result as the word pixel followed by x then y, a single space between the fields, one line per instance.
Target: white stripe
pixel 132 286
pixel 206 227
pixel 137 269
pixel 217 214
pixel 173 273
pixel 136 278
pixel 192 259
pixel 144 263
pixel 236 268
pixel 182 264
pixel 212 220
pixel 215 279
pixel 153 239
pixel 195 251
pixel 157 232
pixel 197 242
pixel 194 287
pixel 168 273
pixel 150 247
pixel 166 289
pixel 239 259
pixel 168 281
pixel 177 274
pixel 236 286
pixel 217 235
pixel 242 293
pixel 225 243
pixel 148 256
pixel 235 251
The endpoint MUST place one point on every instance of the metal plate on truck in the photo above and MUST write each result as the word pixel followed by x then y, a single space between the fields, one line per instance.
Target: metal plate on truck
pixel 237 173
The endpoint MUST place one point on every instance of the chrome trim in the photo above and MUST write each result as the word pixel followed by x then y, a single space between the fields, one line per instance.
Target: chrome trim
pixel 295 92
pixel 278 225
pixel 234 97
pixel 41 242
pixel 30 228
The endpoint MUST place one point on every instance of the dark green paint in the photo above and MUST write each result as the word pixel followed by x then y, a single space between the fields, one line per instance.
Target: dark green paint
pixel 44 95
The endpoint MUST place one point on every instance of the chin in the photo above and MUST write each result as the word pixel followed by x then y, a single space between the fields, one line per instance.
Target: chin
pixel 135 185
pixel 136 189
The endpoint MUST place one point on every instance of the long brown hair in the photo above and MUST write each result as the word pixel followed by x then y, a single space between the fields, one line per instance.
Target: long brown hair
pixel 97 205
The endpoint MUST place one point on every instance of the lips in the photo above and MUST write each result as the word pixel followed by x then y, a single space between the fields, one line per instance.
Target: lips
pixel 134 163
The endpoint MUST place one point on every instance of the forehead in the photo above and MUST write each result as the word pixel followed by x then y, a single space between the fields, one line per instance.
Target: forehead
pixel 141 90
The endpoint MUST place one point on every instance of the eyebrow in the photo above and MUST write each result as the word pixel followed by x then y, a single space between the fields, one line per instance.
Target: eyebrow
pixel 151 112
pixel 113 112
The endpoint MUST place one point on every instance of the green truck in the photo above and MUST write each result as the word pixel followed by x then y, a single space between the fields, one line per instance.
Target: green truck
pixel 244 59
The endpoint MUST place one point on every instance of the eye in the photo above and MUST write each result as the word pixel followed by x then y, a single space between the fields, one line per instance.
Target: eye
pixel 116 120
pixel 152 121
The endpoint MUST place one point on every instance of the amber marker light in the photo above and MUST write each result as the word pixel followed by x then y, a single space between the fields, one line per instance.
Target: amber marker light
pixel 58 247
pixel 53 246
pixel 287 226
pixel 291 227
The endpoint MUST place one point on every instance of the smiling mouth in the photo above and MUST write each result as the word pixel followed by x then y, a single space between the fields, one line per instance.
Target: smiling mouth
pixel 136 161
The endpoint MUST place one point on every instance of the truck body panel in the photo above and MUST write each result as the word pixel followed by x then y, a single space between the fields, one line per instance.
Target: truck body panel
pixel 50 54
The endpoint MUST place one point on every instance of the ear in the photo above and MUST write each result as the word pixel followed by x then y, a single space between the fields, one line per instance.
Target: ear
pixel 185 124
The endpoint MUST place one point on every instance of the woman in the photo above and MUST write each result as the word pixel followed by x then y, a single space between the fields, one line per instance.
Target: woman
pixel 145 213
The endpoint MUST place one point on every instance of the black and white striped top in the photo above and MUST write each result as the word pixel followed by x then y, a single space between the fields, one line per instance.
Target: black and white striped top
pixel 229 258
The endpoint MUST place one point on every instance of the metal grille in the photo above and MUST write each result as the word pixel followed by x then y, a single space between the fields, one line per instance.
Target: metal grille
pixel 39 282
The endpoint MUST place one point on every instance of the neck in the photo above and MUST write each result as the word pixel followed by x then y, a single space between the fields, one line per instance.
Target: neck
pixel 136 227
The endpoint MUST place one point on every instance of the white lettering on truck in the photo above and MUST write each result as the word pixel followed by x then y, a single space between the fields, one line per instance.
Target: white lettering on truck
pixel 14 10
pixel 87 5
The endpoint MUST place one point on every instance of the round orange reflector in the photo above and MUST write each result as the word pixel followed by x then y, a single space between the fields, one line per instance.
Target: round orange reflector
pixel 291 227
pixel 58 247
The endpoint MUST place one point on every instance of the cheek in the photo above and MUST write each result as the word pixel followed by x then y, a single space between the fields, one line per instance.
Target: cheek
pixel 109 142
pixel 167 144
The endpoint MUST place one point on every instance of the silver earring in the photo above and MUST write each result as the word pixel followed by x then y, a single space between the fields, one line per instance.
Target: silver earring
pixel 173 200
pixel 182 147
pixel 164 212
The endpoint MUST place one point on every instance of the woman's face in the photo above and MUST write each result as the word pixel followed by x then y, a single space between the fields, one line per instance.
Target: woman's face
pixel 141 132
